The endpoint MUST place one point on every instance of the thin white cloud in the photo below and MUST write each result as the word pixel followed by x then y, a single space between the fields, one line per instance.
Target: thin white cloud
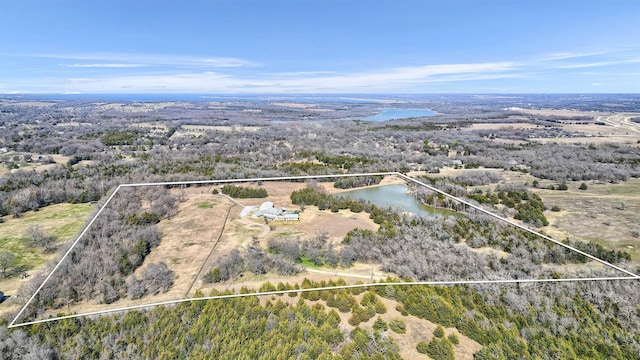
pixel 597 64
pixel 395 79
pixel 148 60
pixel 83 80
pixel 303 73
pixel 175 74
pixel 571 55
pixel 115 65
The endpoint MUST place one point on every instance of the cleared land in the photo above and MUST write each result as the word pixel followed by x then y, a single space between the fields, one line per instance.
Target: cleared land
pixel 208 227
pixel 497 126
pixel 62 221
pixel 610 128
pixel 199 130
pixel 558 112
pixel 597 215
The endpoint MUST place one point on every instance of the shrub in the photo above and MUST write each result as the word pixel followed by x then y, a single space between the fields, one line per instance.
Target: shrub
pixel 398 326
pixel 453 338
pixel 583 186
pixel 422 347
pixel 440 349
pixel 403 311
pixel 439 332
pixel 380 325
pixel 212 276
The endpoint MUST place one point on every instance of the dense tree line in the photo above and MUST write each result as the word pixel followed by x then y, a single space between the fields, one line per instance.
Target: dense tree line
pixel 354 182
pixel 531 321
pixel 436 249
pixel 254 260
pixel 240 192
pixel 230 329
pixel 101 265
pixel 527 206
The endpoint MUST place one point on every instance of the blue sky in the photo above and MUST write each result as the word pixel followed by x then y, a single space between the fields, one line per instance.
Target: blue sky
pixel 313 46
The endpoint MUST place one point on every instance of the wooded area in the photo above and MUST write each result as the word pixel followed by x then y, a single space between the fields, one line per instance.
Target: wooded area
pixel 78 151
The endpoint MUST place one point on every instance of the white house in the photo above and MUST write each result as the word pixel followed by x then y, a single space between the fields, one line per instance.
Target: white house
pixel 269 211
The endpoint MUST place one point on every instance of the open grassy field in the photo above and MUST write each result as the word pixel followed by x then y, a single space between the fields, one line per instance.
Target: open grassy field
pixel 597 215
pixel 62 221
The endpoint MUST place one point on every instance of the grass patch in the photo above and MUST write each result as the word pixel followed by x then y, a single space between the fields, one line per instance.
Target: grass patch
pixel 631 246
pixel 630 187
pixel 27 257
pixel 306 262
pixel 205 205
pixel 289 233
pixel 62 221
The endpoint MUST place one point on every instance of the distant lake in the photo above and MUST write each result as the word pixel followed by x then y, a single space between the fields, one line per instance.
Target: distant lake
pixel 396 113
pixel 394 196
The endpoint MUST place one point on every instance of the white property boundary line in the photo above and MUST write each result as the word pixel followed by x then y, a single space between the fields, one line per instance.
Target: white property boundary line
pixel 280 292
pixel 288 178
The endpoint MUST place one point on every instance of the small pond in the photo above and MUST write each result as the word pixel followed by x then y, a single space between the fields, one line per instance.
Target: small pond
pixel 395 196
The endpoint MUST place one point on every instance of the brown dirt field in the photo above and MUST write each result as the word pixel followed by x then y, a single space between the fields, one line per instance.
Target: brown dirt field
pixel 598 130
pixel 186 242
pixel 153 125
pixel 190 235
pixel 337 225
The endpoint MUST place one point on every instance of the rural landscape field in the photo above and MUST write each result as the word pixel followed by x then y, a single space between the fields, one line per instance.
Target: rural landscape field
pixel 187 229
pixel 320 179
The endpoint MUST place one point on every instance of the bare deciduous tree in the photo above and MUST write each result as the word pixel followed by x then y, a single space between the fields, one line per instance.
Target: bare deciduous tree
pixel 36 235
pixel 7 261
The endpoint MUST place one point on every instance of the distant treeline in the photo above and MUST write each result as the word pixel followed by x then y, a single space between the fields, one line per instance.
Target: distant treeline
pixel 359 181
